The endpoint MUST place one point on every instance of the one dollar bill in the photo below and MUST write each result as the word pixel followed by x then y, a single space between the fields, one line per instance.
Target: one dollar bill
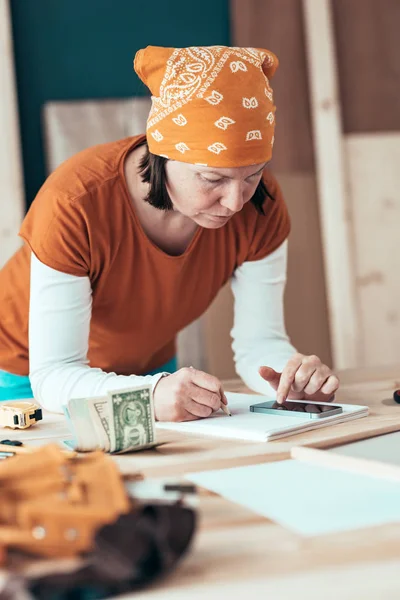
pixel 132 424
pixel 122 421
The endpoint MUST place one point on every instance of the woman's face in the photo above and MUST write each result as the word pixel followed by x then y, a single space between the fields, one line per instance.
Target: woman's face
pixel 211 196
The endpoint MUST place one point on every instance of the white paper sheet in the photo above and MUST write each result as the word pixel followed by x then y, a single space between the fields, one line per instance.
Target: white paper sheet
pixel 307 499
pixel 259 427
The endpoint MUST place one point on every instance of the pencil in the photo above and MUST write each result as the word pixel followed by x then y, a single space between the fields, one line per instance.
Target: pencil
pixel 226 409
pixel 225 406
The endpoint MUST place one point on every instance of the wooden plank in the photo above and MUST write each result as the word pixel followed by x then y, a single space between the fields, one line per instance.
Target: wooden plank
pixel 333 194
pixel 351 464
pixel 237 577
pixel 72 126
pixel 12 202
pixel 305 296
pixel 209 460
pixel 346 433
pixel 374 178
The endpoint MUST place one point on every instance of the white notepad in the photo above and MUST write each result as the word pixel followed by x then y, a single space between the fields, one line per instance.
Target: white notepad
pixel 246 425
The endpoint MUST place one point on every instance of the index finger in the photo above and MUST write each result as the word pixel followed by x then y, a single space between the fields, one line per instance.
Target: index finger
pixel 287 378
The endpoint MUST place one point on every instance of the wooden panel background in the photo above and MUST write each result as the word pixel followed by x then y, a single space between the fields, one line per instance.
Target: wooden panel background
pixel 374 180
pixel 73 126
pixel 367 49
pixel 278 26
pixel 305 309
pixel 11 181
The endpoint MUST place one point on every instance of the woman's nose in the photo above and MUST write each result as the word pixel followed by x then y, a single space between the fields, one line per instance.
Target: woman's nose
pixel 233 199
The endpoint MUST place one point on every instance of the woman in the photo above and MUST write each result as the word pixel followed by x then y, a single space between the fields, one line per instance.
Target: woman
pixel 127 243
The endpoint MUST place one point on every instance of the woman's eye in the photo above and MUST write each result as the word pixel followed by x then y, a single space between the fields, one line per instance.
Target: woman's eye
pixel 253 177
pixel 211 181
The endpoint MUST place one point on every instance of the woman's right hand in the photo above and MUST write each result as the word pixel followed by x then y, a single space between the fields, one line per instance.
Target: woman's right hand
pixel 187 395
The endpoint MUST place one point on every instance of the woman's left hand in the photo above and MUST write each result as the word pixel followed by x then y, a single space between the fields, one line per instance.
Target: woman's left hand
pixel 303 378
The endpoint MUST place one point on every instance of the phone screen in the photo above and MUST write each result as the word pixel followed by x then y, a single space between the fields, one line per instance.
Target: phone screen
pixel 312 409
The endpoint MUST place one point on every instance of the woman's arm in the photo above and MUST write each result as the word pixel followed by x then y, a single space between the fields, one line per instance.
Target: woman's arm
pixel 59 324
pixel 259 334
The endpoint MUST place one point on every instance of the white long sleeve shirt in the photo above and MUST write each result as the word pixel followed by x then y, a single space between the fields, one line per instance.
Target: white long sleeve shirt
pixel 59 325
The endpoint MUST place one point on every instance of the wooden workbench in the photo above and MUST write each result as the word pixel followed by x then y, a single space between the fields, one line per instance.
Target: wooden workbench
pixel 237 552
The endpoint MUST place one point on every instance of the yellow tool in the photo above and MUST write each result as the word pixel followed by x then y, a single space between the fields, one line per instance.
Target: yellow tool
pixel 19 414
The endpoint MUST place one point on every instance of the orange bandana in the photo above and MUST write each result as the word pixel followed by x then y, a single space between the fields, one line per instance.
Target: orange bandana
pixel 211 106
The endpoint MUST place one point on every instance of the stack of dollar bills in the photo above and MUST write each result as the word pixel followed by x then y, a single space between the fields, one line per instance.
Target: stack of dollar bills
pixel 122 421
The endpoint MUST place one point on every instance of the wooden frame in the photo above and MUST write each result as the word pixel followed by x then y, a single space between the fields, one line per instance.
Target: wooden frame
pixel 12 203
pixel 335 213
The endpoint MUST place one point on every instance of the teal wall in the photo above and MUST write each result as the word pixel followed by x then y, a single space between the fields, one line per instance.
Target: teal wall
pixel 76 49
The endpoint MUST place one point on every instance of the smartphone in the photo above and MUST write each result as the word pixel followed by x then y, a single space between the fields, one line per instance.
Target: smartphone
pixel 297 408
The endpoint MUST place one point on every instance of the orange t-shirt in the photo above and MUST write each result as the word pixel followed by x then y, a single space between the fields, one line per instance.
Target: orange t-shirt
pixel 83 222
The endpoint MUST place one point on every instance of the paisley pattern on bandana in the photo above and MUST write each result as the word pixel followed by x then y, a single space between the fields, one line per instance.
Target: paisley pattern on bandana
pixel 198 89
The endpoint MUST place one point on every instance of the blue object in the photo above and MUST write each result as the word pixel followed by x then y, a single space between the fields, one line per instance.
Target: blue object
pixel 14 387
pixel 18 387
pixel 170 367
pixel 59 40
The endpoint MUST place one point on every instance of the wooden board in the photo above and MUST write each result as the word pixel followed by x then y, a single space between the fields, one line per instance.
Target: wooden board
pixel 237 552
pixel 367 42
pixel 331 178
pixel 12 202
pixel 72 126
pixel 245 565
pixel 374 182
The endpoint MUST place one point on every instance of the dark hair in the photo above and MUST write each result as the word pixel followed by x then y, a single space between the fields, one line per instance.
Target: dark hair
pixel 152 170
